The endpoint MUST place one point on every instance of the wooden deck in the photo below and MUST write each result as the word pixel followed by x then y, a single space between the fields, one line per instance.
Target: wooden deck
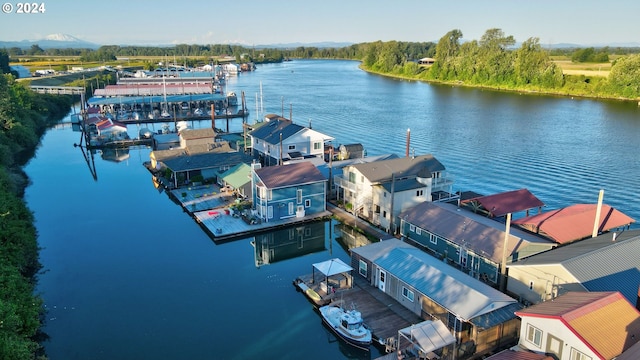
pixel 382 314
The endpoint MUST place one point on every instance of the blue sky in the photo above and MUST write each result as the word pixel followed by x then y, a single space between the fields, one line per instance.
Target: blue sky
pixel 255 22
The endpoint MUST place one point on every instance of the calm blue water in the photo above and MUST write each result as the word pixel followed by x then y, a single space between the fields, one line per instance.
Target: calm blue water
pixel 129 275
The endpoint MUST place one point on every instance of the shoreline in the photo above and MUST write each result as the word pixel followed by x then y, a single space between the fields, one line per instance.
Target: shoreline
pixel 494 88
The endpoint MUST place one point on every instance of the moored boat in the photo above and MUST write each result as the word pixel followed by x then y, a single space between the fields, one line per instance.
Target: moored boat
pixel 347 324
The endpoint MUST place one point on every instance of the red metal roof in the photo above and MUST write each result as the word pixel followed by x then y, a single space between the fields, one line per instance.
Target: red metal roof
pixel 508 202
pixel 574 222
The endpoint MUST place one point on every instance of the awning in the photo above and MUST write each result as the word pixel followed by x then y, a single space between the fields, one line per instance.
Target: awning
pixel 332 267
pixel 428 336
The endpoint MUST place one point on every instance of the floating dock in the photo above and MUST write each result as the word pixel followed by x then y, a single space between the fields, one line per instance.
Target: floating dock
pixel 382 314
pixel 213 209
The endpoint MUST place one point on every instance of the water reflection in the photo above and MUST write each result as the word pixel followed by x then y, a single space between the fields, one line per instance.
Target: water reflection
pixel 349 238
pixel 290 242
pixel 115 154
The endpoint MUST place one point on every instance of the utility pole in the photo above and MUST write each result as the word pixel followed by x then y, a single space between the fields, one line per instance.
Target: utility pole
pixel 503 266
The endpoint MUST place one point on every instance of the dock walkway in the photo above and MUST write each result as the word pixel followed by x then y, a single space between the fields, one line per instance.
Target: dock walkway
pixel 381 313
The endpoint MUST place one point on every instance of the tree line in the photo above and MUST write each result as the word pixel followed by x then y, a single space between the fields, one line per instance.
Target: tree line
pixel 494 61
pixel 24 117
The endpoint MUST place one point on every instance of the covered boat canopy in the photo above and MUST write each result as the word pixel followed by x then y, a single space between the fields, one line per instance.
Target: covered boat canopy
pixel 332 267
pixel 426 337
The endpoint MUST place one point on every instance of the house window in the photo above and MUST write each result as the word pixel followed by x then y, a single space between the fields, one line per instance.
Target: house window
pixel 384 214
pixel 530 285
pixel 299 196
pixel 412 228
pixel 352 177
pixel 292 147
pixel 270 194
pixel 534 335
pixel 270 212
pixel 362 178
pixel 307 203
pixel 384 194
pixel 418 231
pixel 433 239
pixel 377 211
pixel 577 355
pixel 317 145
pixel 291 208
pixel 307 231
pixel 292 233
pixel 362 268
pixel 419 192
pixel 407 293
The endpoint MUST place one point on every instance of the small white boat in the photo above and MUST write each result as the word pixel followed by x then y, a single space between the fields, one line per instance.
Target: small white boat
pixel 348 325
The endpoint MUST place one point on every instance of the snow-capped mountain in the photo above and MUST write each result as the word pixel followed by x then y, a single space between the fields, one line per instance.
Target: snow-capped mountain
pixel 59 41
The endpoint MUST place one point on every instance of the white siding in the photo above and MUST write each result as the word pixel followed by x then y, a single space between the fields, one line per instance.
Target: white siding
pixel 557 329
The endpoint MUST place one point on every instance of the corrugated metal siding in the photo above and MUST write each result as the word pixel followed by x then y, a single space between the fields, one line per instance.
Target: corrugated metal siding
pixel 617 269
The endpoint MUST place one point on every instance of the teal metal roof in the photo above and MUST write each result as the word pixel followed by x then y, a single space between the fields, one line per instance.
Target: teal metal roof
pixel 238 175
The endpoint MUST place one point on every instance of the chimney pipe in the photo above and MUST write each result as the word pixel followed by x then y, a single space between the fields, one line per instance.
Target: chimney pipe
pixel 596 223
pixel 408 142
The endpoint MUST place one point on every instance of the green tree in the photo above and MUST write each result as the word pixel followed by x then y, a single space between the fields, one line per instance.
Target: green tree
pixel 495 63
pixel 532 66
pixel 447 49
pixel 624 77
pixel 4 62
pixel 35 50
pixel 390 57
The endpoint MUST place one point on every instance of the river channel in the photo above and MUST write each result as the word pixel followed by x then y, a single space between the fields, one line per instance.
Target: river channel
pixel 128 275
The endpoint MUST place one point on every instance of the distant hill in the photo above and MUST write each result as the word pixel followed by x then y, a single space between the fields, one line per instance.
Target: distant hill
pixel 53 41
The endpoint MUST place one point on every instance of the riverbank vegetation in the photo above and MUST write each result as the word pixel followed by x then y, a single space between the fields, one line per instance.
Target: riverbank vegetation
pixel 24 117
pixel 493 61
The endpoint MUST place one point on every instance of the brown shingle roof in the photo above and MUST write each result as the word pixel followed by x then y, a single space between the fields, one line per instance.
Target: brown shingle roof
pixel 406 167
pixel 605 321
pixel 574 222
pixel 192 134
pixel 287 175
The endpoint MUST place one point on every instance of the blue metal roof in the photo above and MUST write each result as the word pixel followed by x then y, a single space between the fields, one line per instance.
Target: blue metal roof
pixel 270 132
pixel 459 293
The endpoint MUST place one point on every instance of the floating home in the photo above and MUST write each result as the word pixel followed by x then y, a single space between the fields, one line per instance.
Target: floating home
pixel 481 318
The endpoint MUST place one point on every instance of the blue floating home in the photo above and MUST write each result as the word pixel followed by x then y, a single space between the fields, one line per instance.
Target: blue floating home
pixel 288 191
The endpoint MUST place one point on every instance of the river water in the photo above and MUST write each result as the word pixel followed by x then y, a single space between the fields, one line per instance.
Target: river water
pixel 129 275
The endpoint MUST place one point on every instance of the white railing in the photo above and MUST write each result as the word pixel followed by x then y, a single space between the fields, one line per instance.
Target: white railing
pixel 346 184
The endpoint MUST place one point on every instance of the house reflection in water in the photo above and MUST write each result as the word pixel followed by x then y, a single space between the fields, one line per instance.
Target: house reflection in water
pixel 115 154
pixel 290 242
pixel 349 238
